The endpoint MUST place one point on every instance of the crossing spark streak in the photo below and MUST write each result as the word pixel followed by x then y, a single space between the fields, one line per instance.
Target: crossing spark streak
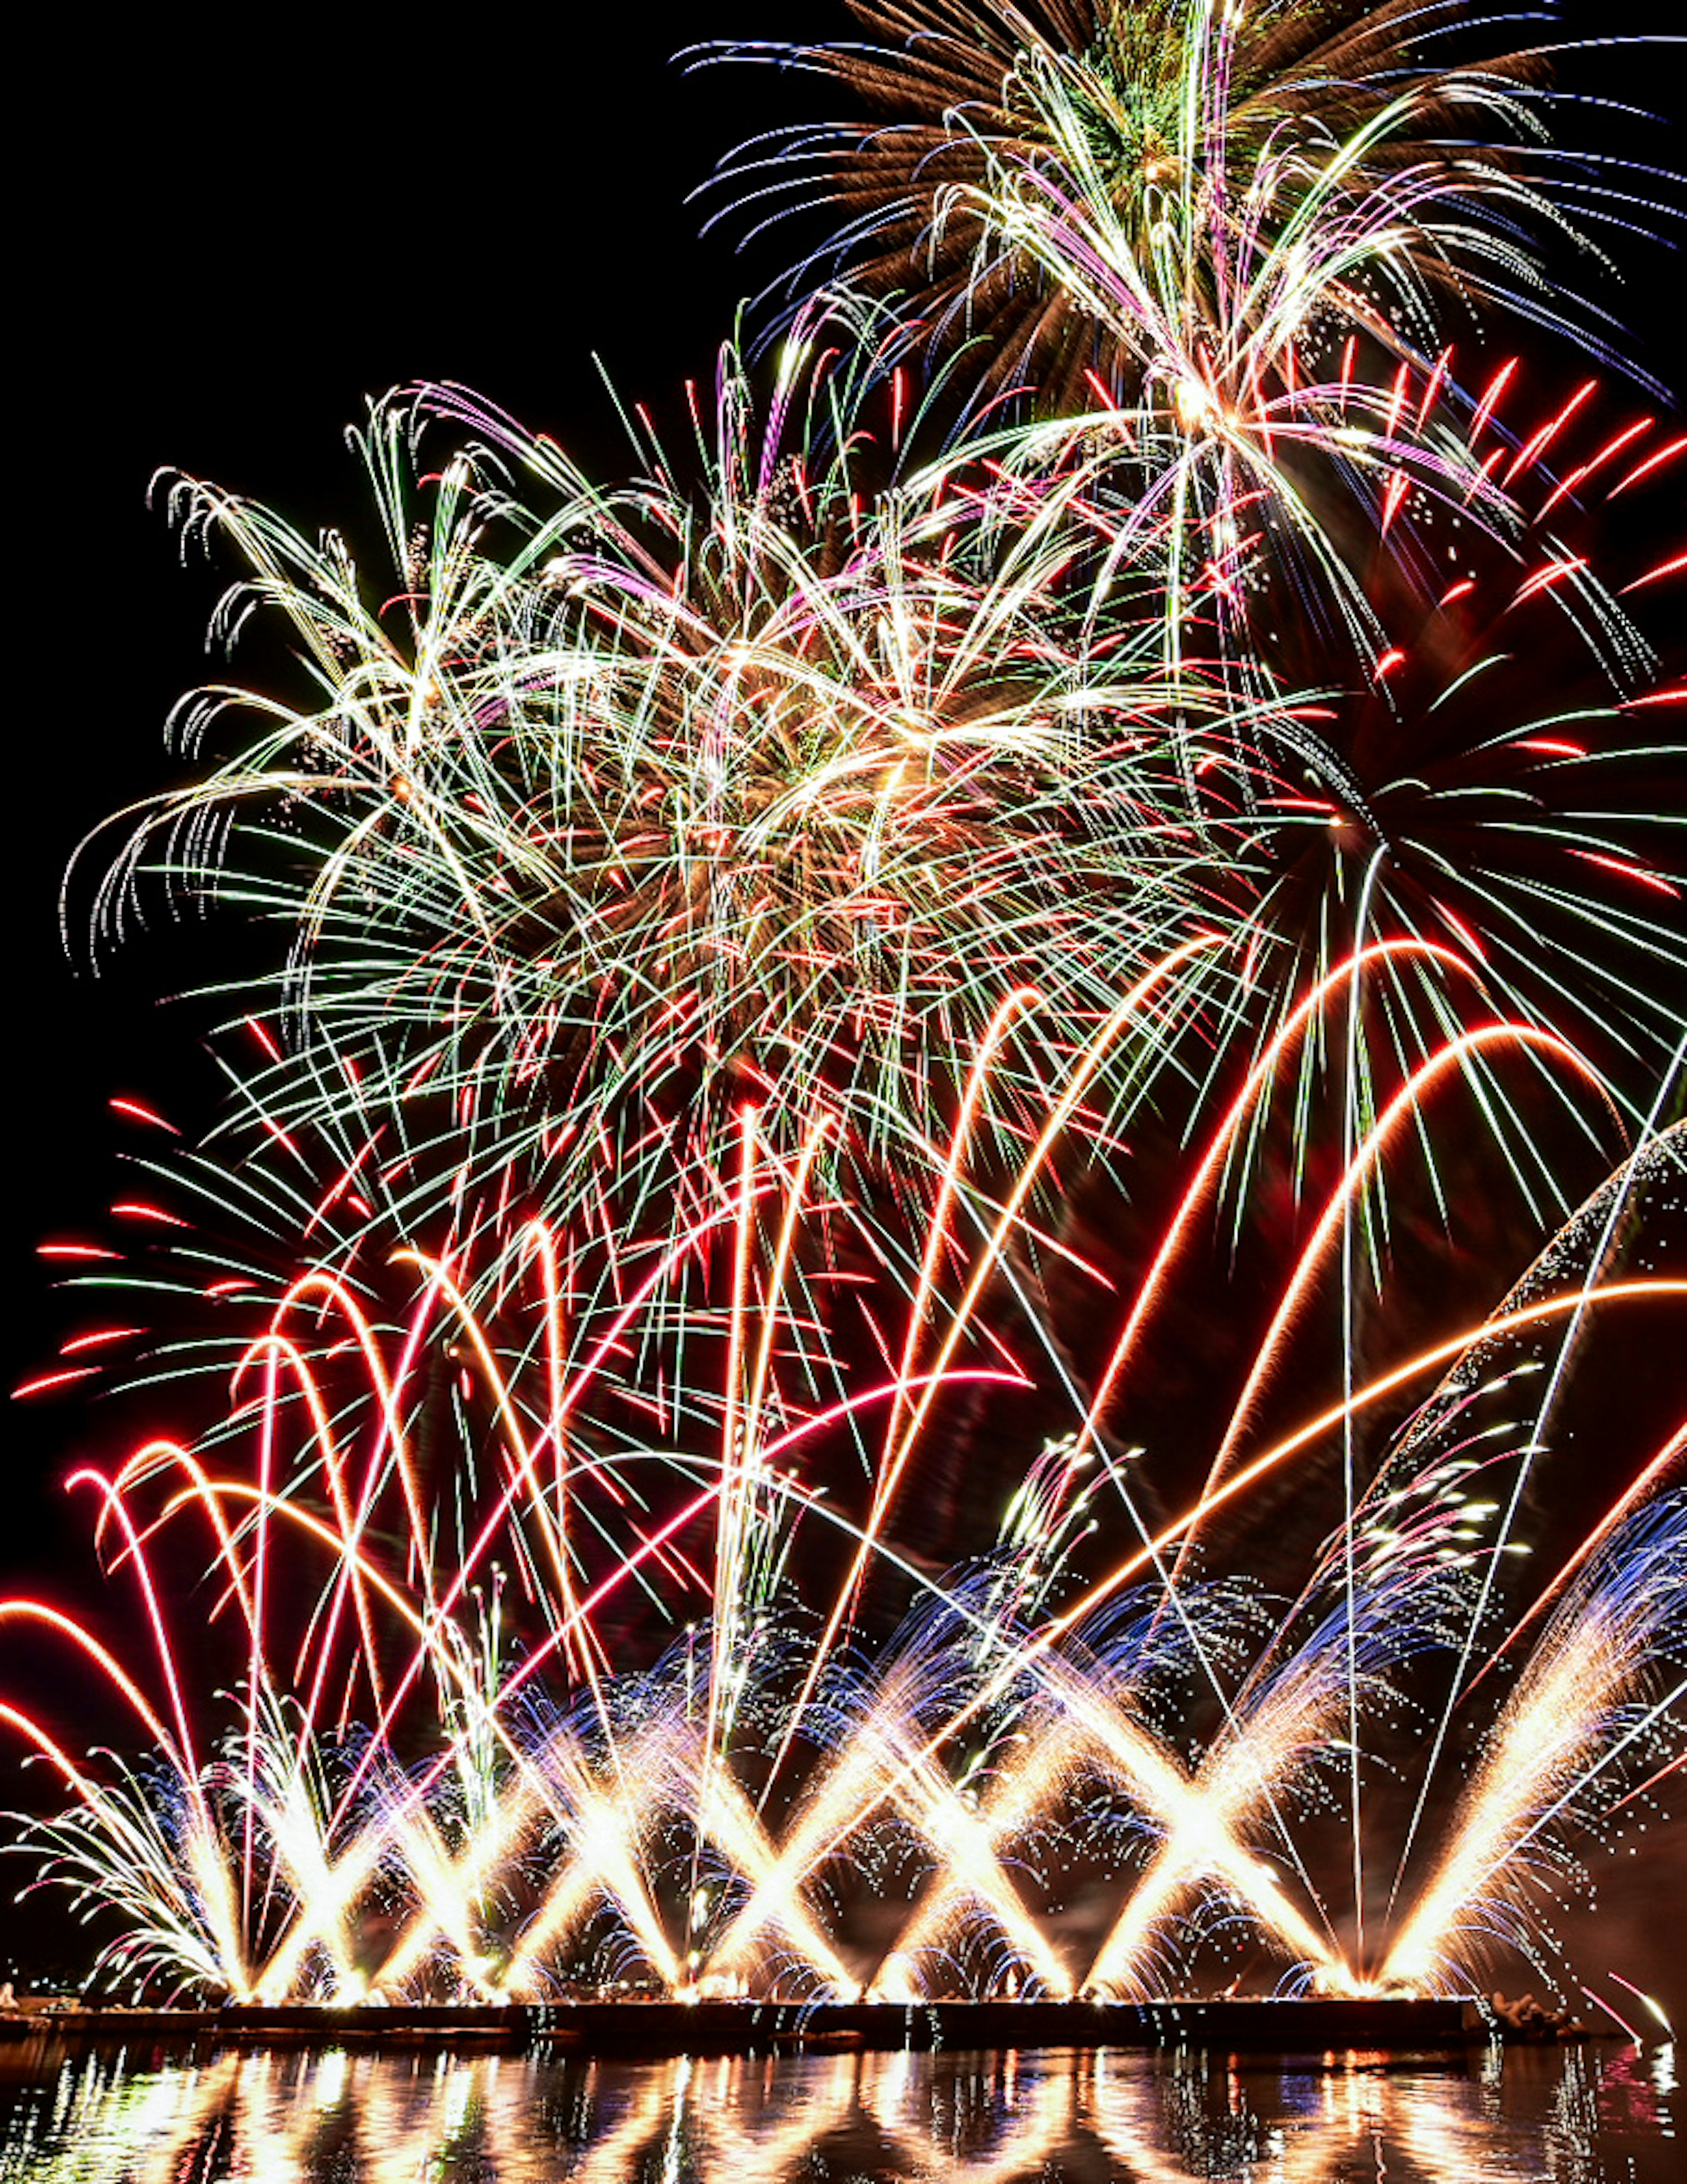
pixel 532 1810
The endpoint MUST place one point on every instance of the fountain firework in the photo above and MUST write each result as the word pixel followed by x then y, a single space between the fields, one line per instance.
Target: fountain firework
pixel 439 1772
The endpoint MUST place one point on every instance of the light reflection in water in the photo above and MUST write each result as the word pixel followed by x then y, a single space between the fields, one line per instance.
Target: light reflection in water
pixel 144 2117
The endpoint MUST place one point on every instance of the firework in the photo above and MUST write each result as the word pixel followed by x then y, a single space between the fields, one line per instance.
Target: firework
pixel 706 1820
pixel 1189 156
pixel 687 799
pixel 803 962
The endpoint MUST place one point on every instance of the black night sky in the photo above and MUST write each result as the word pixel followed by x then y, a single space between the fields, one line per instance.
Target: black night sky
pixel 238 235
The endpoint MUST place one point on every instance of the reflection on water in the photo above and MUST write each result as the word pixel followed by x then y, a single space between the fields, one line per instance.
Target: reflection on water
pixel 103 2118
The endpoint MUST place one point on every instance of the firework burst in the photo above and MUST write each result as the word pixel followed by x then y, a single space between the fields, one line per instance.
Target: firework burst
pixel 1138 191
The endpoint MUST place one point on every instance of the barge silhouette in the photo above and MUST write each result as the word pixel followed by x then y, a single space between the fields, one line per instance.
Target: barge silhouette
pixel 661 2027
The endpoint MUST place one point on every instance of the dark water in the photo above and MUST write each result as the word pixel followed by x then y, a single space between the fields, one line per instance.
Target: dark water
pixel 1606 2115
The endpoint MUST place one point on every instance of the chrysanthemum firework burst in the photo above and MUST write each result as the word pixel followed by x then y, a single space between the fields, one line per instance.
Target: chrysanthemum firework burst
pixel 1495 779
pixel 683 798
pixel 1232 324
pixel 1112 186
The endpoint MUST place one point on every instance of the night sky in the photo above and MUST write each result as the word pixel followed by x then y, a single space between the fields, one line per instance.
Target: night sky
pixel 226 249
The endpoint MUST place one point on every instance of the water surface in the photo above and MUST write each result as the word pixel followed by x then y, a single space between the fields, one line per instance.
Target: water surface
pixel 69 2115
